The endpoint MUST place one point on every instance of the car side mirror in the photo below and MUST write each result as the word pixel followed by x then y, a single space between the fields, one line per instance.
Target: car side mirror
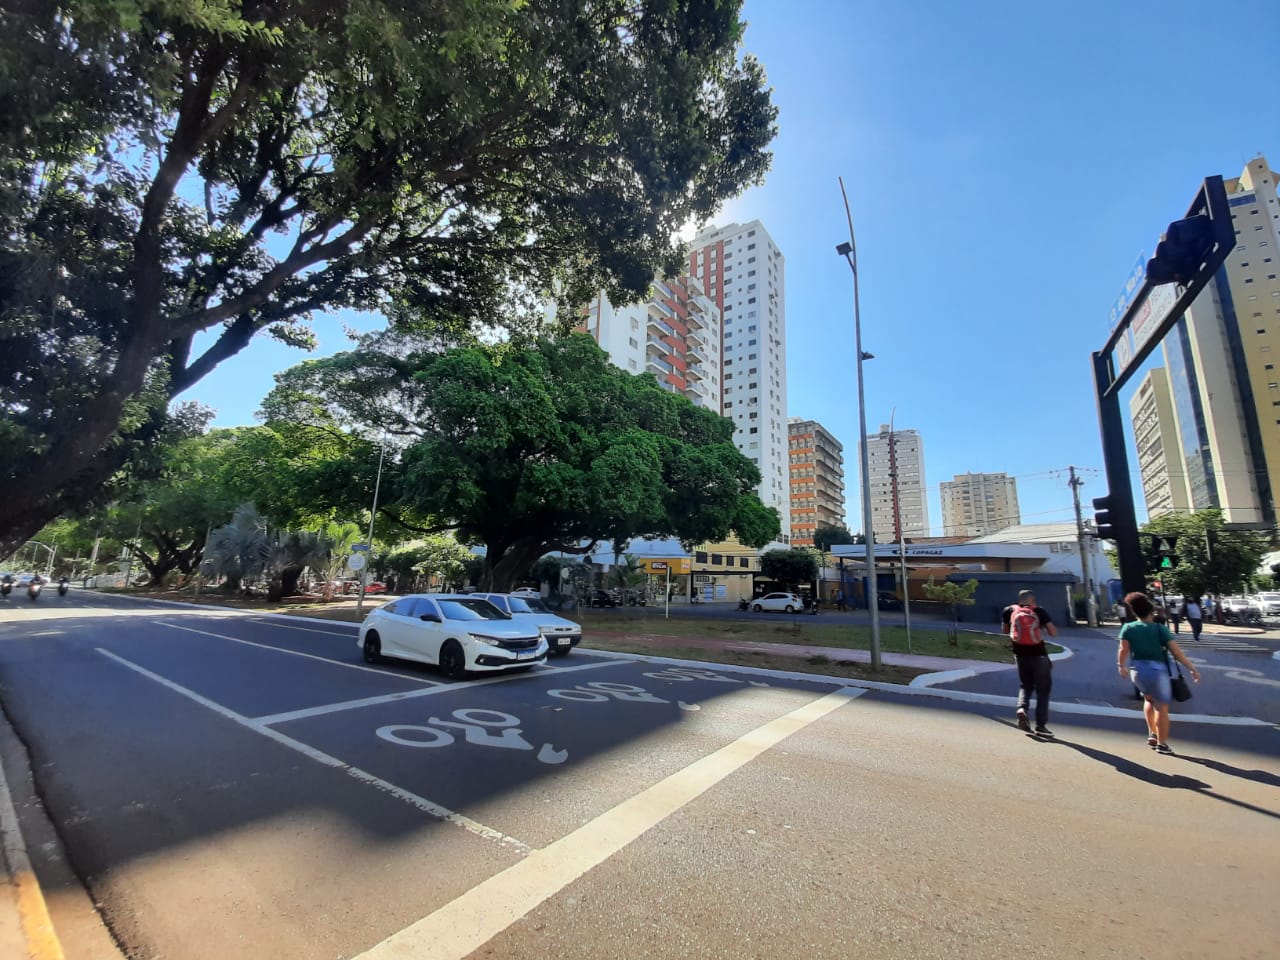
pixel 429 618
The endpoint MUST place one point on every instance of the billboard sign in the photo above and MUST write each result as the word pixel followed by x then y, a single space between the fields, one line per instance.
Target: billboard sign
pixel 1132 284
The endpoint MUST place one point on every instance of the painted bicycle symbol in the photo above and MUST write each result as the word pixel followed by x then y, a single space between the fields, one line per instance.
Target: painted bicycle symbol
pixel 484 728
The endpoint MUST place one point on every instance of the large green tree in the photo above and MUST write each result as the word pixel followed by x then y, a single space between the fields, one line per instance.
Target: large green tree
pixel 172 168
pixel 529 449
pixel 790 567
pixel 1210 558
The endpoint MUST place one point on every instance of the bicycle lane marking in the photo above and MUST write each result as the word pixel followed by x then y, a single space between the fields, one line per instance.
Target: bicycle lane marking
pixel 319 756
pixel 465 924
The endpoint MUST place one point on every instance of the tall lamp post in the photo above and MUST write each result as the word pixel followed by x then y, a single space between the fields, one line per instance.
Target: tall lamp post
pixel 897 528
pixel 373 512
pixel 850 252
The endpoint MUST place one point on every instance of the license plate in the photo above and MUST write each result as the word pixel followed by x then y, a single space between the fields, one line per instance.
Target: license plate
pixel 526 654
pixel 564 641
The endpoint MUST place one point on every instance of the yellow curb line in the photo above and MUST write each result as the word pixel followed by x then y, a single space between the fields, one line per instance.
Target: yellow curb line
pixel 37 927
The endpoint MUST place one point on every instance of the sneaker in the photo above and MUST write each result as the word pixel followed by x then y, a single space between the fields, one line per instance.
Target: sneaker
pixel 1163 748
pixel 1043 731
pixel 1152 742
pixel 1023 723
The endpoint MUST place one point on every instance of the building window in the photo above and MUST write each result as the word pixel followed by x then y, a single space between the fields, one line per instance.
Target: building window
pixel 700 557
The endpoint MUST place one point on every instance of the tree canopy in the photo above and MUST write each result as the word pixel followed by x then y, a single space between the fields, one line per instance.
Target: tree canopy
pixel 1210 559
pixel 828 535
pixel 530 449
pixel 791 567
pixel 169 169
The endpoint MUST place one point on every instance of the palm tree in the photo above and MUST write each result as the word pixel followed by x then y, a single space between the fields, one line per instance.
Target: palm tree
pixel 238 551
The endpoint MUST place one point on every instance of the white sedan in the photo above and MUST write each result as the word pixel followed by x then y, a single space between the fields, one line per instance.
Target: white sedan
pixel 460 634
pixel 561 634
pixel 778 602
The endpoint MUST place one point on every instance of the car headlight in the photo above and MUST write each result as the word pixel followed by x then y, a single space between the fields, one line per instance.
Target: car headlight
pixel 481 638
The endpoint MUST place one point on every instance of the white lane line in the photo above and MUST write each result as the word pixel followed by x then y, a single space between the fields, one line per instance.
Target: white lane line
pixel 319 756
pixel 473 919
pixel 298 653
pixel 328 633
pixel 341 705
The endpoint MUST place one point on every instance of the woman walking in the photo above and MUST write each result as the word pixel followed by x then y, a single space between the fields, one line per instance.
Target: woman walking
pixel 1147 646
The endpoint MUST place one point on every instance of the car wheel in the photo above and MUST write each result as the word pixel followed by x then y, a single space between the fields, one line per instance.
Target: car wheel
pixel 453 662
pixel 788 609
pixel 758 609
pixel 372 647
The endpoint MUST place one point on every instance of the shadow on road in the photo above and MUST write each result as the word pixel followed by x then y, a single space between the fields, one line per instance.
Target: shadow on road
pixel 1257 776
pixel 1173 781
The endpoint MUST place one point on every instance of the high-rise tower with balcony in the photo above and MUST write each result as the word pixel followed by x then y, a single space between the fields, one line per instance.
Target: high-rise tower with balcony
pixel 817 479
pixel 744 275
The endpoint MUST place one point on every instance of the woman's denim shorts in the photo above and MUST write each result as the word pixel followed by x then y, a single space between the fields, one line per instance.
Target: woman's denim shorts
pixel 1152 678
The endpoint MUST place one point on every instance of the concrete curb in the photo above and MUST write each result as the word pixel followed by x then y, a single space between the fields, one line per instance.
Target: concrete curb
pixel 33 913
pixel 950 676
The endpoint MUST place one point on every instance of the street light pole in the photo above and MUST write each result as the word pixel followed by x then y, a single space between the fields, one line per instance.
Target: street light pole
pixel 897 528
pixel 373 512
pixel 849 252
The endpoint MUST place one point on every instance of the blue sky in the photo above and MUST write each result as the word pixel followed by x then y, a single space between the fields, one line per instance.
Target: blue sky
pixel 1005 165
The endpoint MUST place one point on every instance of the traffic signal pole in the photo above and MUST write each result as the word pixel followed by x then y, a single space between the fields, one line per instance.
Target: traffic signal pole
pixel 1115 460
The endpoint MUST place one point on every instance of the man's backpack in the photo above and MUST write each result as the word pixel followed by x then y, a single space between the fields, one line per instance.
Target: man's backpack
pixel 1024 627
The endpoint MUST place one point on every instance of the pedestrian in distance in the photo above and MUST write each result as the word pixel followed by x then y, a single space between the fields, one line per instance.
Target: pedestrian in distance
pixel 1147 646
pixel 1025 624
pixel 1195 615
pixel 840 600
pixel 1175 615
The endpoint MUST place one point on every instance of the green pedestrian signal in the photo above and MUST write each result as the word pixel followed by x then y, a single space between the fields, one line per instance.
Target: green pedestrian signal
pixel 1166 563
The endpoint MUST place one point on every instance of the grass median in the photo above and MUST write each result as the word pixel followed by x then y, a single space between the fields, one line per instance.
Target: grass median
pixel 929 639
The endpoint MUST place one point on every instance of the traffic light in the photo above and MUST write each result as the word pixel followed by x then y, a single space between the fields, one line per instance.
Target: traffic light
pixel 1182 251
pixel 1103 522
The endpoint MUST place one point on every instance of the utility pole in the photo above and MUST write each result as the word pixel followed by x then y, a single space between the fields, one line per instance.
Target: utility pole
pixel 1090 601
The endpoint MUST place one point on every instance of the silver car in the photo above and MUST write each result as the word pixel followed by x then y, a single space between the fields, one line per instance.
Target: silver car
pixel 462 634
pixel 561 635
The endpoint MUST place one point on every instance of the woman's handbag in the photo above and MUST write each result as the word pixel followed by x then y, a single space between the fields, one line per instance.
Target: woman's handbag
pixel 1181 689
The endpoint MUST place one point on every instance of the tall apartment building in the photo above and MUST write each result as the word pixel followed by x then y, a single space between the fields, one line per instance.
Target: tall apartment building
pixel 900 453
pixel 674 335
pixel 1155 433
pixel 975 504
pixel 744 275
pixel 817 479
pixel 1221 359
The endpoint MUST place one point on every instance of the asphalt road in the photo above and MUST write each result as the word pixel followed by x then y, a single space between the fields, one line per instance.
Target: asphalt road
pixel 247 786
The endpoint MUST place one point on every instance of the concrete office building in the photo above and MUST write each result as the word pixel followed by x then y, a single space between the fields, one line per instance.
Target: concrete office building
pixel 974 504
pixel 1155 433
pixel 1221 359
pixel 897 454
pixel 744 275
pixel 675 335
pixel 817 479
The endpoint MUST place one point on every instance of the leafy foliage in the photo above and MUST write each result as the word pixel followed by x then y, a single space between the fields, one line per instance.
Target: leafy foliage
pixel 530 449
pixel 202 165
pixel 1210 558
pixel 829 535
pixel 791 567
pixel 954 595
pixel 239 550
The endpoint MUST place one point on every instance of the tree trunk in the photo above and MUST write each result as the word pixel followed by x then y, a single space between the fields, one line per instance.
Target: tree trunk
pixel 289 577
pixel 511 565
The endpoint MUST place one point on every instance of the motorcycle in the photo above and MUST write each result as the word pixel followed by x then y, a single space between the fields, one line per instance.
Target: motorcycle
pixel 743 605
pixel 6 585
pixel 34 588
pixel 63 585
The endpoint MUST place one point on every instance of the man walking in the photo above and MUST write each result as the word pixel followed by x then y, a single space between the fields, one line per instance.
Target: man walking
pixel 1025 624
pixel 1195 616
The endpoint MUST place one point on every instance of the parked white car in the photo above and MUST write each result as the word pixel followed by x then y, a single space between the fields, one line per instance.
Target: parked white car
pixel 460 634
pixel 1268 603
pixel 561 635
pixel 778 602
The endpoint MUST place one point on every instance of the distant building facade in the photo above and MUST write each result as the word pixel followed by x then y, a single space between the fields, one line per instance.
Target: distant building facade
pixel 898 491
pixel 744 275
pixel 817 479
pixel 675 335
pixel 974 504
pixel 1155 433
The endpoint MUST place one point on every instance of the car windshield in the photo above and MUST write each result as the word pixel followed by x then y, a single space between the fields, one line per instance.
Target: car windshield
pixel 536 606
pixel 519 605
pixel 470 610
pixel 1270 597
